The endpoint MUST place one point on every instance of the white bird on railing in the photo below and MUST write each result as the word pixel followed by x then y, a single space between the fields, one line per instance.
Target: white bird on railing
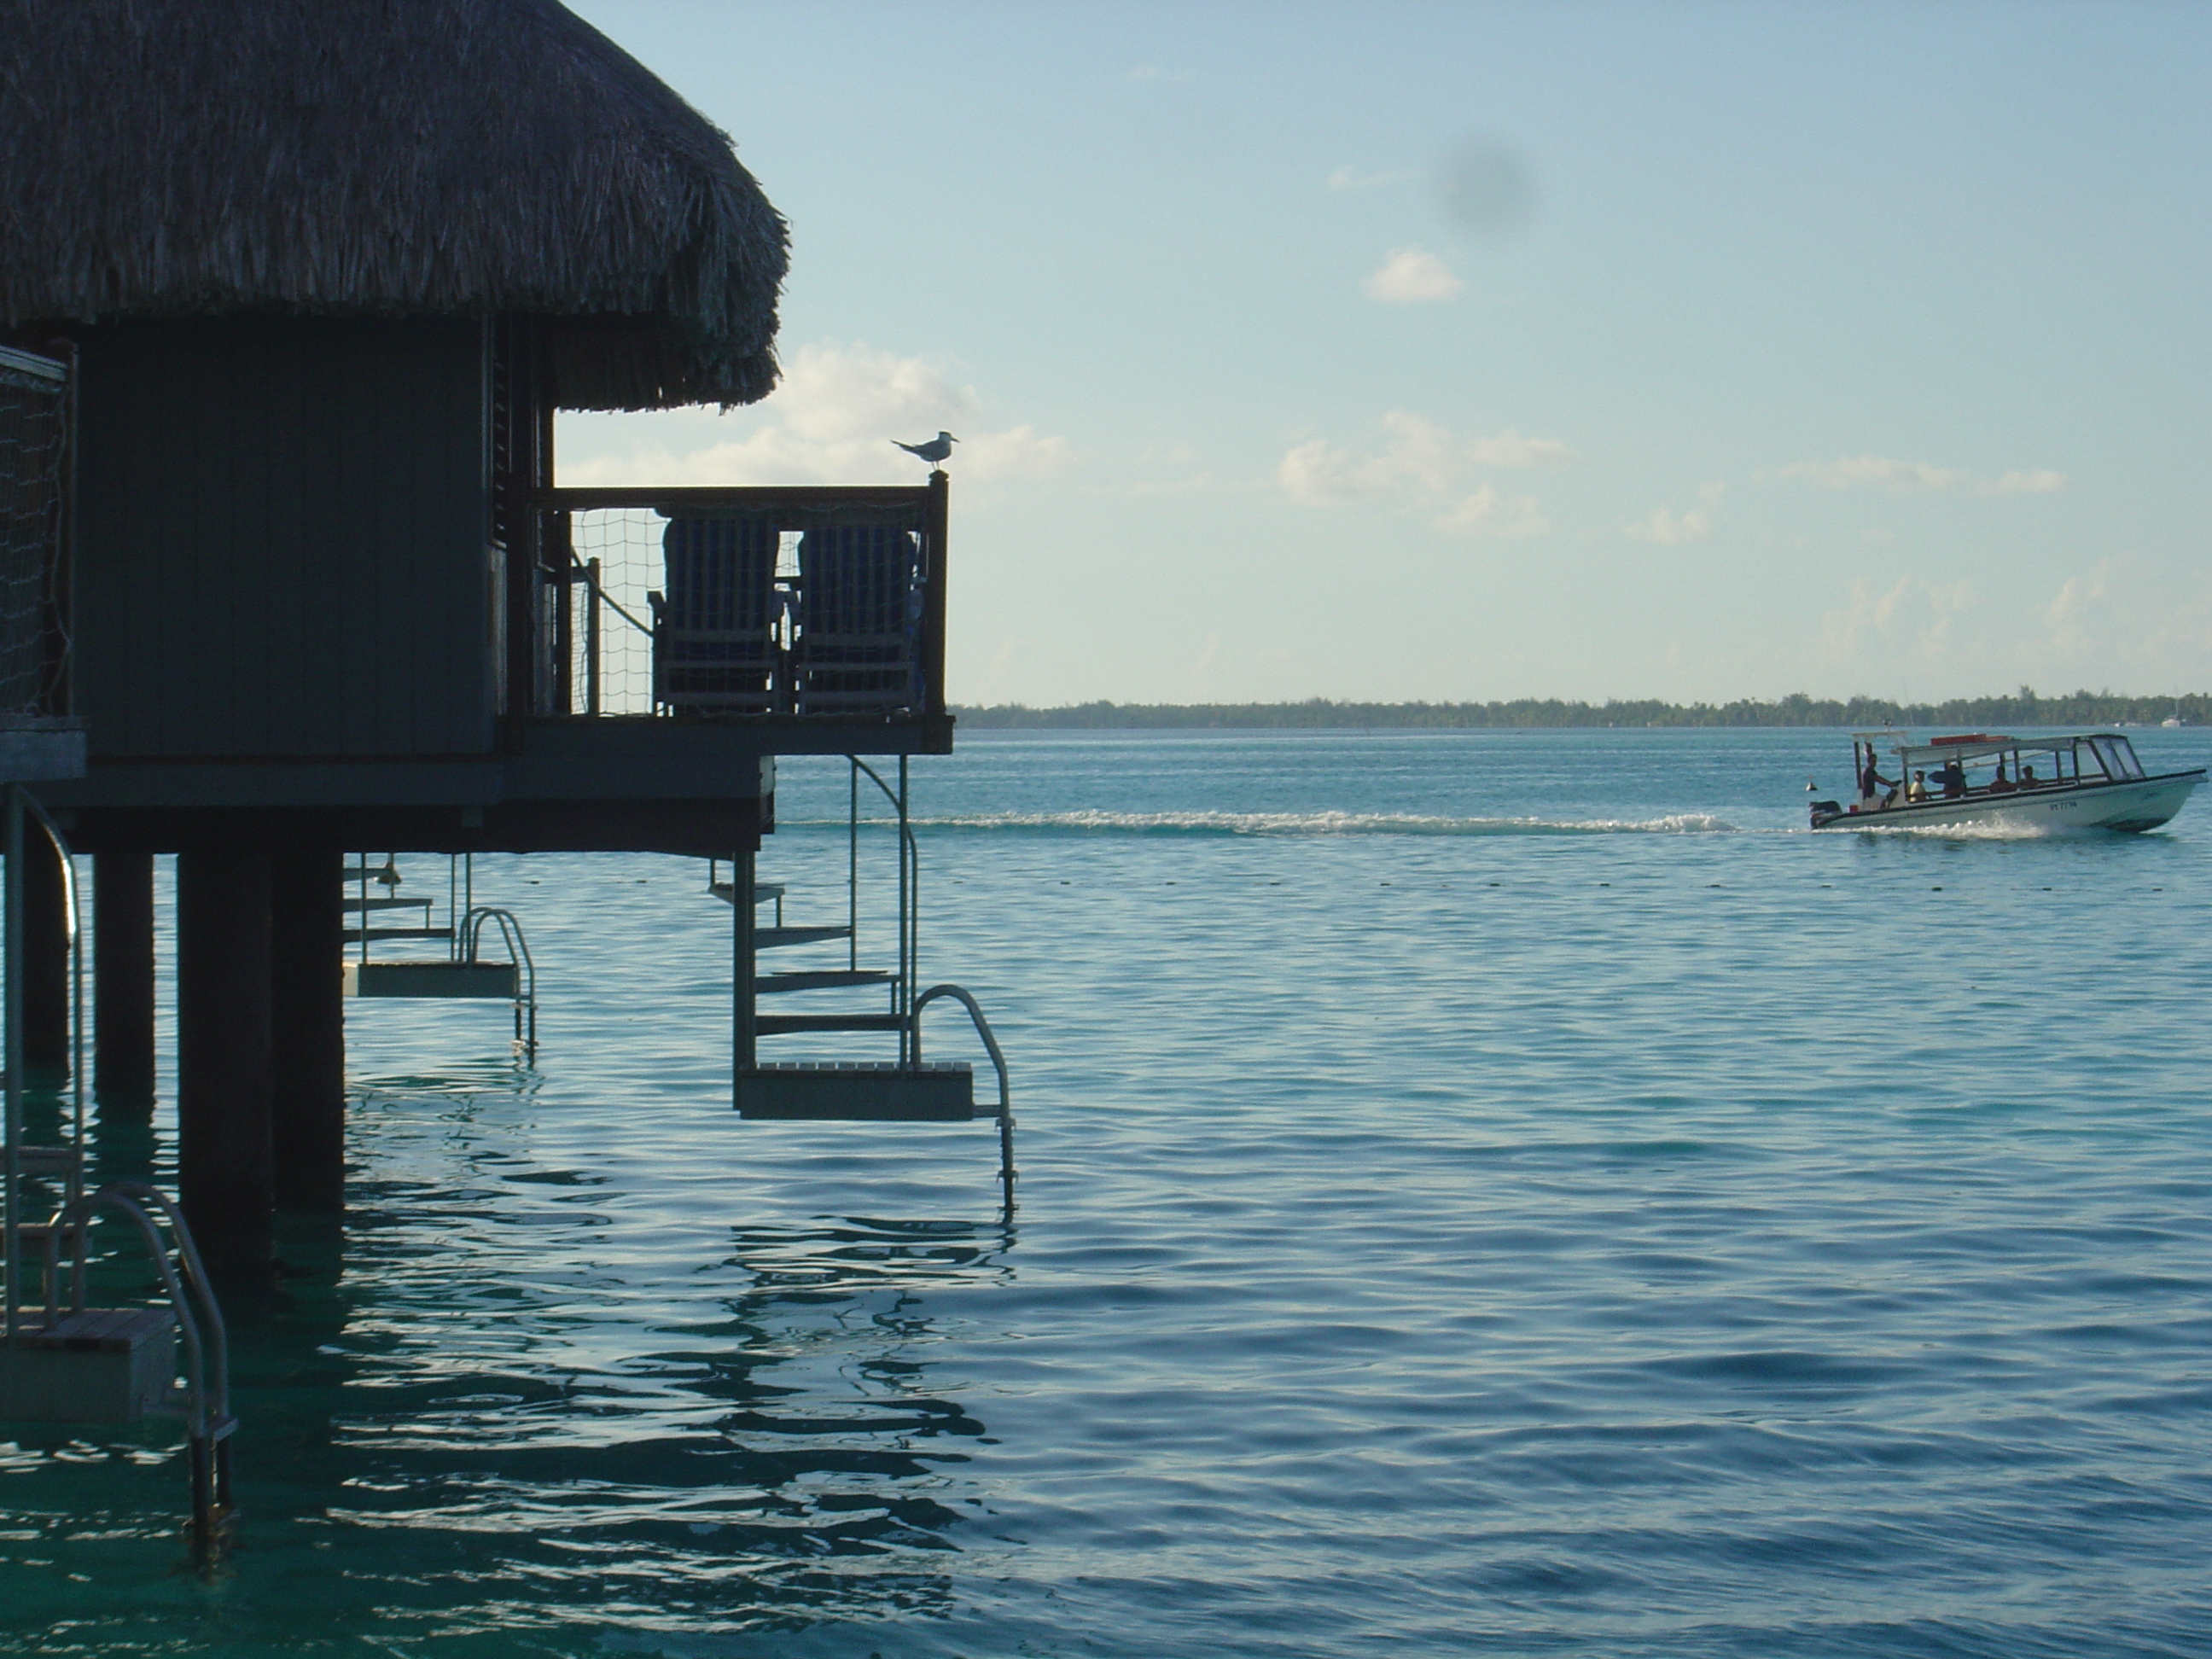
pixel 935 450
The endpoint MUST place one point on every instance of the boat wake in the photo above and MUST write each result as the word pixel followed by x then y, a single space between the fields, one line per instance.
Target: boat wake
pixel 1302 823
pixel 1988 830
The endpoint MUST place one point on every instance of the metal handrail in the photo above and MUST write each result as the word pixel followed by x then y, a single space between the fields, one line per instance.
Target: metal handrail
pixel 207 1347
pixel 73 920
pixel 909 894
pixel 21 803
pixel 208 1421
pixel 961 995
pixel 11 1063
pixel 468 936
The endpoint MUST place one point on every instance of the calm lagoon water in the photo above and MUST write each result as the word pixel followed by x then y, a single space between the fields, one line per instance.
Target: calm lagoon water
pixel 1482 1193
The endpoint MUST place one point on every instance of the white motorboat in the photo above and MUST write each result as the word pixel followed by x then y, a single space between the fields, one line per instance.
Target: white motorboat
pixel 2073 780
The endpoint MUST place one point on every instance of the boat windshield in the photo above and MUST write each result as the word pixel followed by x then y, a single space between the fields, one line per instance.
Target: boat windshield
pixel 2118 756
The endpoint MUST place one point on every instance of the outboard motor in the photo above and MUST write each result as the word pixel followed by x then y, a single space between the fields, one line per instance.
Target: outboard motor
pixel 1825 809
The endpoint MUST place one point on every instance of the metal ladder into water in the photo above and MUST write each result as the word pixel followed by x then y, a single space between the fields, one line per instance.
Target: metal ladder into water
pixel 464 971
pixel 908 1090
pixel 61 1359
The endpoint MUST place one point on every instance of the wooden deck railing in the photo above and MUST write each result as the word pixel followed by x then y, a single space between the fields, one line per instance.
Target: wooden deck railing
pixel 783 604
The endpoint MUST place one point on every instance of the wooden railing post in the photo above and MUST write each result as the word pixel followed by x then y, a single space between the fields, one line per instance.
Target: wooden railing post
pixel 933 597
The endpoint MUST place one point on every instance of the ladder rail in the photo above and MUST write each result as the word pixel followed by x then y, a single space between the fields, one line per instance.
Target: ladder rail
pixel 199 1317
pixel 966 999
pixel 208 1422
pixel 22 804
pixel 518 952
pixel 910 891
pixel 11 1066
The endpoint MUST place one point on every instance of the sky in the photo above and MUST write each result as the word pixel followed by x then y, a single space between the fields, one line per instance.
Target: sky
pixel 1475 351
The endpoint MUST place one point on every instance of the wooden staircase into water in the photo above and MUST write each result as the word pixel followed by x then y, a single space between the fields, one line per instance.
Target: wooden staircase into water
pixel 903 1090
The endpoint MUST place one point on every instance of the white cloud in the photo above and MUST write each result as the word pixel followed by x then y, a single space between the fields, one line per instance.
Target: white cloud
pixel 1352 179
pixel 1425 468
pixel 1882 472
pixel 2078 618
pixel 1873 471
pixel 1320 474
pixel 2122 622
pixel 1668 528
pixel 2023 484
pixel 1409 275
pixel 832 421
pixel 1913 615
pixel 1485 513
pixel 1509 448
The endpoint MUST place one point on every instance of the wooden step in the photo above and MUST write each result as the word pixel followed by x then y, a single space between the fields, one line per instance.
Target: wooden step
pixel 355 935
pixel 784 1025
pixel 770 984
pixel 773 938
pixel 358 904
pixel 762 892
pixel 47 1160
pixel 858 1092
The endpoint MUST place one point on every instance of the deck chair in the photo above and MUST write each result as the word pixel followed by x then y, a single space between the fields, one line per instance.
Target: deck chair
pixel 857 649
pixel 714 630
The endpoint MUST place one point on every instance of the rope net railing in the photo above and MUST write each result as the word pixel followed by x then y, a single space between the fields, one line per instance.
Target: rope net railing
pixel 705 615
pixel 33 461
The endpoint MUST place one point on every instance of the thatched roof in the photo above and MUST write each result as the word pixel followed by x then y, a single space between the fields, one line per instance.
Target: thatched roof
pixel 168 157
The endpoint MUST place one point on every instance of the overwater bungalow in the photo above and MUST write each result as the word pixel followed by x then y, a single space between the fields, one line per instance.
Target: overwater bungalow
pixel 304 286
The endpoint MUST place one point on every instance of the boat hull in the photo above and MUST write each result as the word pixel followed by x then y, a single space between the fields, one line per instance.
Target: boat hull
pixel 2132 805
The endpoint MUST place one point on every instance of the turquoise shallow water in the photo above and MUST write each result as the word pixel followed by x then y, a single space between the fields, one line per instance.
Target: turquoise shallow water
pixel 1483 1192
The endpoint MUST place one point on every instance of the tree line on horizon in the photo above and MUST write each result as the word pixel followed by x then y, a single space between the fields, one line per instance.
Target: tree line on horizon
pixel 2021 709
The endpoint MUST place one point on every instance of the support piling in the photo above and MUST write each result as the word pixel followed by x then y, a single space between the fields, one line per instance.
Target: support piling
pixel 123 1062
pixel 306 926
pixel 225 1159
pixel 745 1043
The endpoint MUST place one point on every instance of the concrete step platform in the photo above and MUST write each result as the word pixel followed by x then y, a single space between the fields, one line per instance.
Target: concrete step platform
pixel 496 980
pixel 99 1366
pixel 860 1092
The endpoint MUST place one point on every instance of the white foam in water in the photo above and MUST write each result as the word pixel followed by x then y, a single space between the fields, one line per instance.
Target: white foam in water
pixel 1995 830
pixel 1312 824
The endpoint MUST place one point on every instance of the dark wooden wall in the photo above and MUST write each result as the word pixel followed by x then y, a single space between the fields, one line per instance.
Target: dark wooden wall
pixel 281 546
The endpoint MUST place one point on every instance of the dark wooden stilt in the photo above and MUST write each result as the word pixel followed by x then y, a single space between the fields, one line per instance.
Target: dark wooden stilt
pixel 123 978
pixel 307 1029
pixel 744 1024
pixel 224 1165
pixel 45 958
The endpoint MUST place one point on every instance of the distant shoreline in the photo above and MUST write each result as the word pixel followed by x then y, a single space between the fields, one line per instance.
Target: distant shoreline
pixel 2022 708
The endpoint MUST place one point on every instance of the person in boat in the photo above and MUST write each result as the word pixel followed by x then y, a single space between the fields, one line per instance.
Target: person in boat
pixel 1872 784
pixel 1918 789
pixel 2002 785
pixel 1954 778
pixel 2027 776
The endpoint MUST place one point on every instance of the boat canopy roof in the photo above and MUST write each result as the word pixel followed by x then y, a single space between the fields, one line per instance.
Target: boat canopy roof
pixel 1978 746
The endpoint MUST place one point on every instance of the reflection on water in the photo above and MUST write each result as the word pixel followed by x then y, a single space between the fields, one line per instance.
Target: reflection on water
pixel 1652 1244
pixel 458 1420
